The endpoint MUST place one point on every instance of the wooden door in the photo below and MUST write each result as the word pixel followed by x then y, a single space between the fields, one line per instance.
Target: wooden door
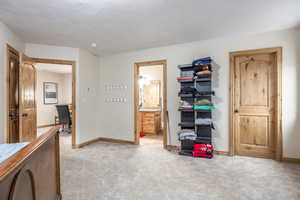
pixel 255 104
pixel 27 103
pixel 13 96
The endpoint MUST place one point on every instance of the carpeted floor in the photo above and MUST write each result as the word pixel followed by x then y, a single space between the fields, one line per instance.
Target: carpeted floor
pixel 106 171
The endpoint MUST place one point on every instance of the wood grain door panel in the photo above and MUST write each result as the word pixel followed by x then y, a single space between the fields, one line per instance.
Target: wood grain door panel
pixel 27 100
pixel 254 102
pixel 13 97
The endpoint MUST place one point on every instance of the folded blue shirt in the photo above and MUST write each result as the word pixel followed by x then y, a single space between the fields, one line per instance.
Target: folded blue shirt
pixel 202 61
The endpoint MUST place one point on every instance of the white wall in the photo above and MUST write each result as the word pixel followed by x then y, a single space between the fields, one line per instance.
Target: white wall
pixel 87 77
pixel 67 97
pixel 88 97
pixel 47 112
pixel 52 52
pixel 6 36
pixel 118 121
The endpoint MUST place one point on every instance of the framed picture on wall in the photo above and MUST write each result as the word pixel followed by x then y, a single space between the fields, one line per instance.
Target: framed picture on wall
pixel 50 93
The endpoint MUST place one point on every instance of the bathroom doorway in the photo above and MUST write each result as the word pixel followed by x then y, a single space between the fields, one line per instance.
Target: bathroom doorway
pixel 150 103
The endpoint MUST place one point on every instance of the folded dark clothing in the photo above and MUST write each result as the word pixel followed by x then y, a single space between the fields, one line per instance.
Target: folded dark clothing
pixel 188 89
pixel 205 93
pixel 203 68
pixel 187 94
pixel 203 76
pixel 184 66
pixel 202 61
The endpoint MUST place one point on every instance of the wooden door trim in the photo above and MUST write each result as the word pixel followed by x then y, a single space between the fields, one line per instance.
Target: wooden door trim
pixel 278 104
pixel 137 65
pixel 66 62
pixel 9 49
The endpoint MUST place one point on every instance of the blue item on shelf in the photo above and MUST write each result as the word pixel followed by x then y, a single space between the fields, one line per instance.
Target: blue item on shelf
pixel 202 61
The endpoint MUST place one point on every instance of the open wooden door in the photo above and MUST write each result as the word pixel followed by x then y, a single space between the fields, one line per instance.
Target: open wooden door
pixel 27 102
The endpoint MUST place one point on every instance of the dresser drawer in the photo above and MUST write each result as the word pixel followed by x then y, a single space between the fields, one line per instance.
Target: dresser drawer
pixel 148 114
pixel 150 122
pixel 148 129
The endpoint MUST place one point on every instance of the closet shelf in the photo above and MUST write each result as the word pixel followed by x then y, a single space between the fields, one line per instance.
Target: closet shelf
pixel 193 90
pixel 203 79
pixel 187 124
pixel 186 95
pixel 186 110
pixel 212 93
pixel 185 80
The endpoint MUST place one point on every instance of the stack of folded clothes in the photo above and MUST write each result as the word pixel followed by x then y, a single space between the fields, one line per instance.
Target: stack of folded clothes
pixel 187 134
pixel 203 70
pixel 202 61
pixel 203 67
pixel 185 78
pixel 204 104
pixel 187 90
pixel 186 75
pixel 185 105
pixel 203 121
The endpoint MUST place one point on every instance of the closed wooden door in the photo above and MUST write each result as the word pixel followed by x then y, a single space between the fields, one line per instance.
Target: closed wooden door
pixel 254 104
pixel 13 96
pixel 27 108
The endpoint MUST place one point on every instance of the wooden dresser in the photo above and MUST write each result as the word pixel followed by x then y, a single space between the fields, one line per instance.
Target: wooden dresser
pixel 150 122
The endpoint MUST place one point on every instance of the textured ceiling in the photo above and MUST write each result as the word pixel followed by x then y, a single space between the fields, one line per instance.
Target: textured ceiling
pixel 123 25
pixel 62 69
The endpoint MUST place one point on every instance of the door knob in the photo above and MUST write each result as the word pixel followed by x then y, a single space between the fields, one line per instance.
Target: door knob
pixel 13 114
pixel 236 110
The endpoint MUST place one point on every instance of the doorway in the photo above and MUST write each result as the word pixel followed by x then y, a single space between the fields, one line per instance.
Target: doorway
pixel 53 88
pixel 72 106
pixel 256 103
pixel 21 96
pixel 150 96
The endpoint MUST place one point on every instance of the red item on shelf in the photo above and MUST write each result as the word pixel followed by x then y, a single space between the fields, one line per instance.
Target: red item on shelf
pixel 185 78
pixel 203 150
pixel 186 107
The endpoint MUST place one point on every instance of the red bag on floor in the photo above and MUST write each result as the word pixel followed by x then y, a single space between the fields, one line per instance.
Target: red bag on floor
pixel 203 150
pixel 142 134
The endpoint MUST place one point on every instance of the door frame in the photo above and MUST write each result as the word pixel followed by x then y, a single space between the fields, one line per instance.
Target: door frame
pixel 137 65
pixel 73 64
pixel 278 102
pixel 47 61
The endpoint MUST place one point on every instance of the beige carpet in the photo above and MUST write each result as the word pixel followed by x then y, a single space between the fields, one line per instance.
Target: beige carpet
pixel 105 171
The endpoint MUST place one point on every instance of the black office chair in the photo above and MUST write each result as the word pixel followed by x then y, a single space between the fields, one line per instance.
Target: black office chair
pixel 64 117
